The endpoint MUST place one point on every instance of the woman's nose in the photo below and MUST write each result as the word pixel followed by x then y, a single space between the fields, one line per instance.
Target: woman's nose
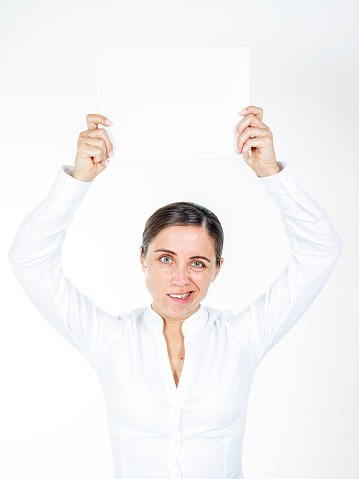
pixel 181 276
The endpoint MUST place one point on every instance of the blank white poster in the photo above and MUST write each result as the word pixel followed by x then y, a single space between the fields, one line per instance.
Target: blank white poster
pixel 172 103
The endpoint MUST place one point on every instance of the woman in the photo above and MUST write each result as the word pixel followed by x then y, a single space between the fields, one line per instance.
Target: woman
pixel 176 375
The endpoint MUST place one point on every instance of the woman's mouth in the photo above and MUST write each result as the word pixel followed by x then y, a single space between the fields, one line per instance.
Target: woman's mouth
pixel 183 298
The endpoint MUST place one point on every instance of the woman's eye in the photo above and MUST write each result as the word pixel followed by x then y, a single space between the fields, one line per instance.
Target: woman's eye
pixel 164 257
pixel 167 257
pixel 199 262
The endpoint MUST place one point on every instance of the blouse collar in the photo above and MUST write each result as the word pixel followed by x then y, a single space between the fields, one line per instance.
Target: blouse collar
pixel 189 326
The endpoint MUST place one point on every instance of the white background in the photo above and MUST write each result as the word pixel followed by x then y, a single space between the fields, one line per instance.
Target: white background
pixel 302 418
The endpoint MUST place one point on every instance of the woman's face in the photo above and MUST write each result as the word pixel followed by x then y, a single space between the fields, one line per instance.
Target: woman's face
pixel 187 265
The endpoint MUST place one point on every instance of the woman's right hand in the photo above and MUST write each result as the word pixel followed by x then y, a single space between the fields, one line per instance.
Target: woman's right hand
pixel 94 147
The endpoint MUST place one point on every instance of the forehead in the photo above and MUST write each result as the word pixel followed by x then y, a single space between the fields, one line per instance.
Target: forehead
pixel 182 237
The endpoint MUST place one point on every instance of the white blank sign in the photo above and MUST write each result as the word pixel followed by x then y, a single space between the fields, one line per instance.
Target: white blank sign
pixel 172 103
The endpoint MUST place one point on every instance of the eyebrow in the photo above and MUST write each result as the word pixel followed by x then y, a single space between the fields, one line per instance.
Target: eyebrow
pixel 175 254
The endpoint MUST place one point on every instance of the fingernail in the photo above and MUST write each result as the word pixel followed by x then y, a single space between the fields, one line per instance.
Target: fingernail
pixel 242 112
pixel 106 162
pixel 108 122
pixel 111 153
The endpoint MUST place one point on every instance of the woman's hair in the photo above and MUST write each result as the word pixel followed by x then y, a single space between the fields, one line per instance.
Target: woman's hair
pixel 184 214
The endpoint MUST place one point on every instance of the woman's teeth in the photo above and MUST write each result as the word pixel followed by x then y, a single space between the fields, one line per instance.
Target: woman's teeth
pixel 182 296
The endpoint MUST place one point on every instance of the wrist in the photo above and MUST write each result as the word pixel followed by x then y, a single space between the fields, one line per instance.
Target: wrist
pixel 80 178
pixel 271 172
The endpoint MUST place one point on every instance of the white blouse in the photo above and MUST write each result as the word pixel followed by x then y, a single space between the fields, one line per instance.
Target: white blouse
pixel 159 431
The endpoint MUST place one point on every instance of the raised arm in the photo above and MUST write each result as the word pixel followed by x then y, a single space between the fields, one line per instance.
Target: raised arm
pixel 315 249
pixel 35 257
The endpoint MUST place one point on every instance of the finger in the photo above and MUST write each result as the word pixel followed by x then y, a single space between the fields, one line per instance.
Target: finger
pixel 250 132
pixel 249 120
pixel 99 143
pixel 85 141
pixel 92 152
pixel 247 148
pixel 257 142
pixel 102 134
pixel 93 120
pixel 256 110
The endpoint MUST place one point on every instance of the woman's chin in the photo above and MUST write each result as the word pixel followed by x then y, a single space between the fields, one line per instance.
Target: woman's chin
pixel 176 307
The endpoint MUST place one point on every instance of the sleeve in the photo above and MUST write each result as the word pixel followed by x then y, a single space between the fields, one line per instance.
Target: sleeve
pixel 315 249
pixel 35 257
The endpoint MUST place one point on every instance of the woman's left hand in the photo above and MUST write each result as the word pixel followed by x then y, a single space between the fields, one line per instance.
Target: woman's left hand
pixel 254 134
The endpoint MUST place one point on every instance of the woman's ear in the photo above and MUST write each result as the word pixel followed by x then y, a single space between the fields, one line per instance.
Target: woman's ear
pixel 142 260
pixel 218 269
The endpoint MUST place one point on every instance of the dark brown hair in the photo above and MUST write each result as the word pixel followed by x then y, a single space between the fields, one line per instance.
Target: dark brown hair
pixel 184 213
